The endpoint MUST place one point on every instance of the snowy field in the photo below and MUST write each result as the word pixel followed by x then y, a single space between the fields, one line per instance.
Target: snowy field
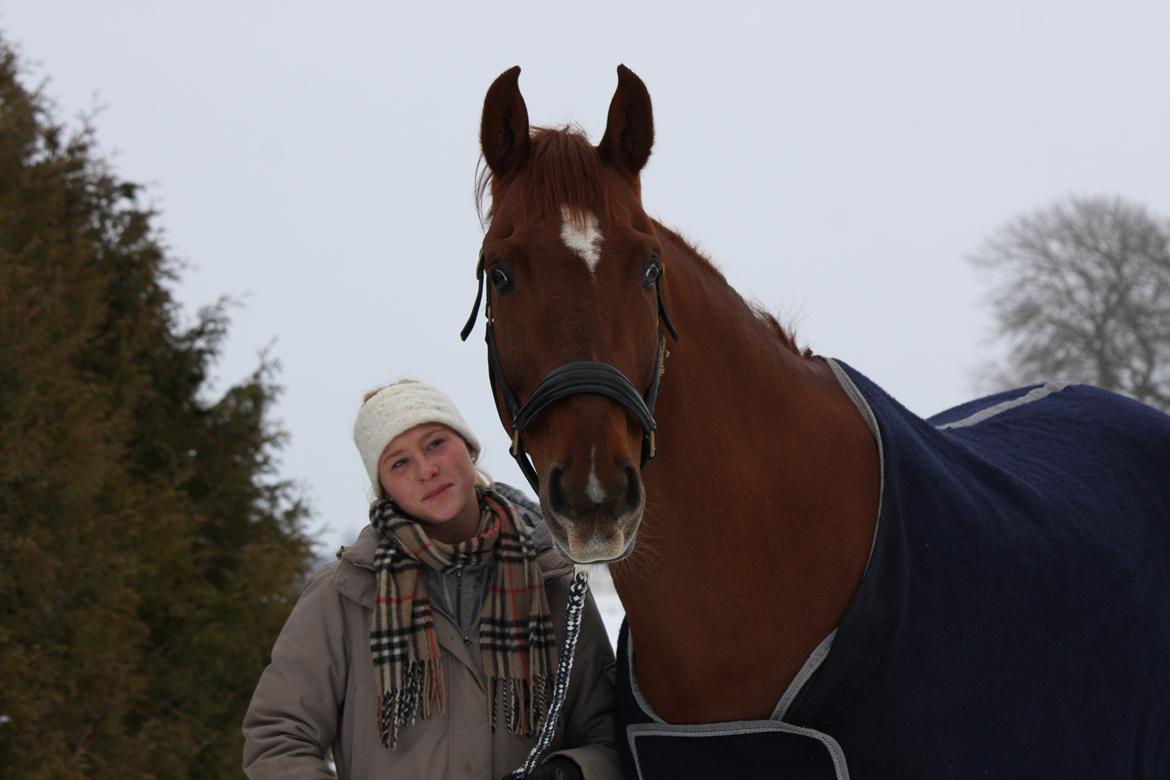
pixel 601 584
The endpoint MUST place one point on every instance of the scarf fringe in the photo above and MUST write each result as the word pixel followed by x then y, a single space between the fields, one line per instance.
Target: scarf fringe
pixel 418 691
pixel 523 702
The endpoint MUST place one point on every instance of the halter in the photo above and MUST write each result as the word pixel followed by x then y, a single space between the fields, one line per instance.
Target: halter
pixel 582 377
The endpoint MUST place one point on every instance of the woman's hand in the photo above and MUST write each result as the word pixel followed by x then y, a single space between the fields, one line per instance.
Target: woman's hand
pixel 556 768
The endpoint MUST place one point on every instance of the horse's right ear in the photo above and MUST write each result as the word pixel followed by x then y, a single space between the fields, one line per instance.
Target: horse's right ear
pixel 503 131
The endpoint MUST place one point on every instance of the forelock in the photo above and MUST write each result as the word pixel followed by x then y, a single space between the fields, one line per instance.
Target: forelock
pixel 563 172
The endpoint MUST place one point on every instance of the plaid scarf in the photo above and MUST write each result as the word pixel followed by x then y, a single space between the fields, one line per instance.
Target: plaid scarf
pixel 515 627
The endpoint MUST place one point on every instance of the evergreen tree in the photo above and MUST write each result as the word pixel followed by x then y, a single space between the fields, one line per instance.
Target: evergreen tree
pixel 149 552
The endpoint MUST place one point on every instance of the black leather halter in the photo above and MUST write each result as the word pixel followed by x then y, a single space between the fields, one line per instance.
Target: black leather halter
pixel 583 377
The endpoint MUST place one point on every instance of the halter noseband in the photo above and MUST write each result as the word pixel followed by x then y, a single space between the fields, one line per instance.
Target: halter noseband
pixel 583 377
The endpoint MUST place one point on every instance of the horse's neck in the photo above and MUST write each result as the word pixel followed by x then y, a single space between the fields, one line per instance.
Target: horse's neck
pixel 759 517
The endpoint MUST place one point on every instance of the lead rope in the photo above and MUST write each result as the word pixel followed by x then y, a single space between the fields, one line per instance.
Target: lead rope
pixel 577 592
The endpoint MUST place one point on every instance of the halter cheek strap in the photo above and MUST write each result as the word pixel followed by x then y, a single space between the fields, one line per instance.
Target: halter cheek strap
pixel 585 377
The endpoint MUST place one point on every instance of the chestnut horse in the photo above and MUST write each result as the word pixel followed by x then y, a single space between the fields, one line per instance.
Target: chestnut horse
pixel 752 482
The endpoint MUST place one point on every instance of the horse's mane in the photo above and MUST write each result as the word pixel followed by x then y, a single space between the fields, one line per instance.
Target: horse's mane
pixel 564 170
pixel 786 336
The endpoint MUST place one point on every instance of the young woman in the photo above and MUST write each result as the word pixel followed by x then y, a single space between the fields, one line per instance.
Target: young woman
pixel 428 650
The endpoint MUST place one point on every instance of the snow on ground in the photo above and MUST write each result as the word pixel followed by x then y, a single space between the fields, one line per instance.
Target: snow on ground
pixel 601 584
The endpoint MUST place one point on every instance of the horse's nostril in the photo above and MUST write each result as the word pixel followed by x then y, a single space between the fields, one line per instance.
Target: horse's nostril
pixel 633 490
pixel 556 493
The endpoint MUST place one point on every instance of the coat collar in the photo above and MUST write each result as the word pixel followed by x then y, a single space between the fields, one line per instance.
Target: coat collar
pixel 356 567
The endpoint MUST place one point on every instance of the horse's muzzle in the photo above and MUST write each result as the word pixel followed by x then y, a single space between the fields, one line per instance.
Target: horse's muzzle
pixel 593 519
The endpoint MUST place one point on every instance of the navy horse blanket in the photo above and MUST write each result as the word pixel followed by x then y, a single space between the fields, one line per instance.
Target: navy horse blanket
pixel 1013 620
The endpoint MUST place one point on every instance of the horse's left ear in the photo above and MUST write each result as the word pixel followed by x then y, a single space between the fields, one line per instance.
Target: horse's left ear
pixel 629 132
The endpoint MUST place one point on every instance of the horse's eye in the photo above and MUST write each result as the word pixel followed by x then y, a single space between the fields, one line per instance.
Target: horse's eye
pixel 651 274
pixel 501 280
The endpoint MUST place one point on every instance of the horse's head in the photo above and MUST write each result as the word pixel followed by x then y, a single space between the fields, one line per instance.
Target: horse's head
pixel 572 267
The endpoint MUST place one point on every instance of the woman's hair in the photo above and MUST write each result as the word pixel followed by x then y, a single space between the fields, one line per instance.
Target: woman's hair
pixel 482 477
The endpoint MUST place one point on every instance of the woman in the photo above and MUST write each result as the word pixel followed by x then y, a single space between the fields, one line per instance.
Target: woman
pixel 428 650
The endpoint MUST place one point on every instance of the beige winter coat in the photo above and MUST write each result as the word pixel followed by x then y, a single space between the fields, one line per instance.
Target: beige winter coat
pixel 318 692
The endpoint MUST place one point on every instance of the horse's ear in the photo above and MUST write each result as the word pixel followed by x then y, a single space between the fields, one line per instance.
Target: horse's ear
pixel 503 131
pixel 629 133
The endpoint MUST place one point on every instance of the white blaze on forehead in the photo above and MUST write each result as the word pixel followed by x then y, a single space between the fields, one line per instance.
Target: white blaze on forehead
pixel 584 239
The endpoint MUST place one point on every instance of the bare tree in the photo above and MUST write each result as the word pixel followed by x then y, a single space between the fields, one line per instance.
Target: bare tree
pixel 1081 292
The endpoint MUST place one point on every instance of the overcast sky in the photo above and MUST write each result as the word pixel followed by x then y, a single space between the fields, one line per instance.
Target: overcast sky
pixel 838 161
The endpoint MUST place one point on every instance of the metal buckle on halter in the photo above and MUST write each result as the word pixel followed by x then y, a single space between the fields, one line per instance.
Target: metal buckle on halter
pixel 653 447
pixel 514 450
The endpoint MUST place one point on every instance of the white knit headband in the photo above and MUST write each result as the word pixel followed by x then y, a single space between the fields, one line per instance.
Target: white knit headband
pixel 397 408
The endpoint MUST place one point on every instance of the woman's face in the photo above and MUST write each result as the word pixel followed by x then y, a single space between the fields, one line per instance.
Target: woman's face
pixel 429 473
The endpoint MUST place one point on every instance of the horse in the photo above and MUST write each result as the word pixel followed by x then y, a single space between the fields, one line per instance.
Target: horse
pixel 816 581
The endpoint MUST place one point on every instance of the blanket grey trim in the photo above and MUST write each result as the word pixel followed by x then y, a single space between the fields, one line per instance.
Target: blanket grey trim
pixel 813 663
pixel 815 659
pixel 1035 394
pixel 840 767
pixel 871 422
pixel 639 697
pixel 821 651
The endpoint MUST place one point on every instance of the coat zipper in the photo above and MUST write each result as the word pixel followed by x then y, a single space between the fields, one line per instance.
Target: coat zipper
pixel 459 605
